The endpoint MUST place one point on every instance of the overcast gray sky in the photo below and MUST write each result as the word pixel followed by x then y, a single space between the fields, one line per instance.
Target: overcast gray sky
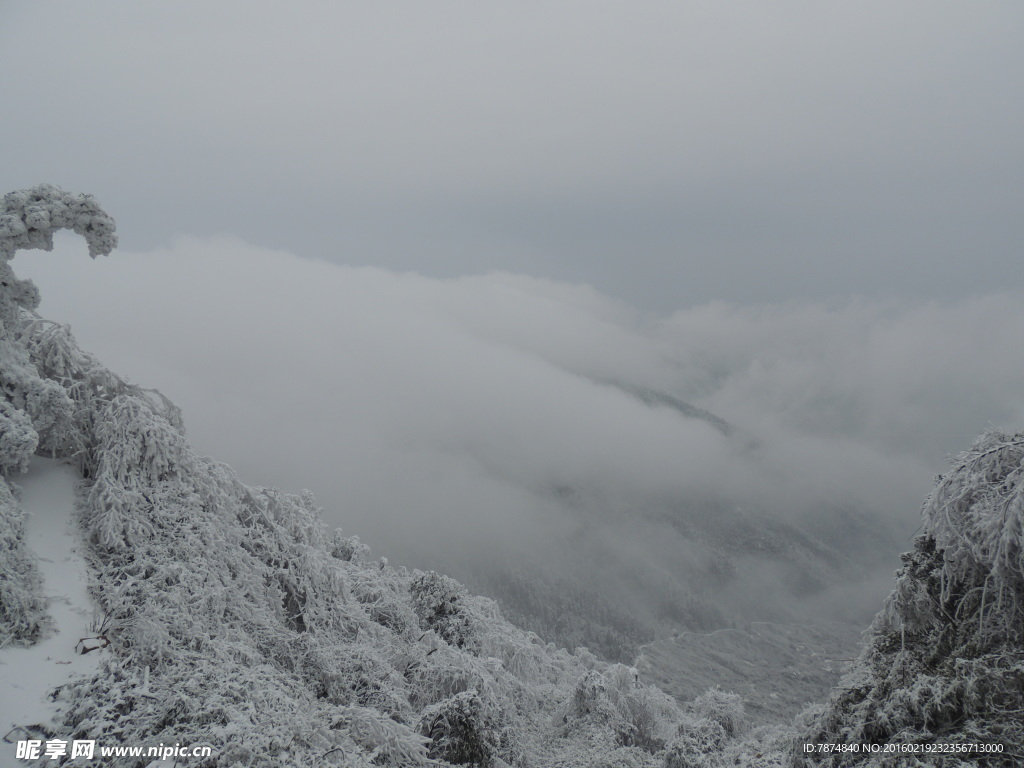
pixel 667 153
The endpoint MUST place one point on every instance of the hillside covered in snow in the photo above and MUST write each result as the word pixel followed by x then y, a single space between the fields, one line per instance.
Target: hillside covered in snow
pixel 229 616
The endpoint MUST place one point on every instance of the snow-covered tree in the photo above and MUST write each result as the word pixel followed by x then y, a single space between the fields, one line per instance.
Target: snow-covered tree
pixel 36 413
pixel 29 217
pixel 23 617
pixel 944 660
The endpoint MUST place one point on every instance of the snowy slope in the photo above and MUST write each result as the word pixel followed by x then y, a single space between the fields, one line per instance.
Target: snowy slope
pixel 28 675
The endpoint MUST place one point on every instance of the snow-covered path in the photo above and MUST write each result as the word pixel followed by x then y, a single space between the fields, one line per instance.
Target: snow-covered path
pixel 28 674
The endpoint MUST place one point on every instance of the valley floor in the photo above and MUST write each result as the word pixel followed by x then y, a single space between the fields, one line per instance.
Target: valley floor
pixel 778 669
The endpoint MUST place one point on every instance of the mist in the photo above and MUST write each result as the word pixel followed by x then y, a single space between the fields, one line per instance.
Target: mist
pixel 506 423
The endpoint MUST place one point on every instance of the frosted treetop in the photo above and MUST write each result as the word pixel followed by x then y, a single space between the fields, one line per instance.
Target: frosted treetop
pixel 29 217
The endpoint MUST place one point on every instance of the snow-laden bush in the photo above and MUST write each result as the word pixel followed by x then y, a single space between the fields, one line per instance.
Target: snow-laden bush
pixel 626 757
pixel 712 720
pixel 722 707
pixel 439 602
pixel 461 730
pixel 944 659
pixel 43 402
pixel 23 617
pixel 767 746
pixel 18 440
pixel 349 548
pixel 384 602
pixel 638 715
pixel 384 741
pixel 696 746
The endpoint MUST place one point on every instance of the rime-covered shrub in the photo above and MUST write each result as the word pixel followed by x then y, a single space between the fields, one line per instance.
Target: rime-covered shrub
pixel 439 602
pixel 626 757
pixel 384 604
pixel 724 708
pixel 18 440
pixel 944 659
pixel 766 746
pixel 684 752
pixel 638 715
pixel 23 617
pixel 382 740
pixel 590 698
pixel 44 404
pixel 642 723
pixel 696 740
pixel 461 731
pixel 349 548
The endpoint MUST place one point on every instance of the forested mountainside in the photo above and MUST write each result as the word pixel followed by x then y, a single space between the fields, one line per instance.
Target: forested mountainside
pixel 236 619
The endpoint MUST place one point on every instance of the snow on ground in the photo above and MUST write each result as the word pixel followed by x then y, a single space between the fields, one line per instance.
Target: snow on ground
pixel 27 675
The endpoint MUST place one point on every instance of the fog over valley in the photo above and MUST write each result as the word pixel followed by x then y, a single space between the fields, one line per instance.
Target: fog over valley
pixel 721 463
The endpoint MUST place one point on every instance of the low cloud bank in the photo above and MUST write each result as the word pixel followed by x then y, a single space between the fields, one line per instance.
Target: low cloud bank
pixel 493 416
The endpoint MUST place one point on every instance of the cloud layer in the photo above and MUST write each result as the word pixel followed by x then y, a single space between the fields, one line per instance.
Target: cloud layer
pixel 488 416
